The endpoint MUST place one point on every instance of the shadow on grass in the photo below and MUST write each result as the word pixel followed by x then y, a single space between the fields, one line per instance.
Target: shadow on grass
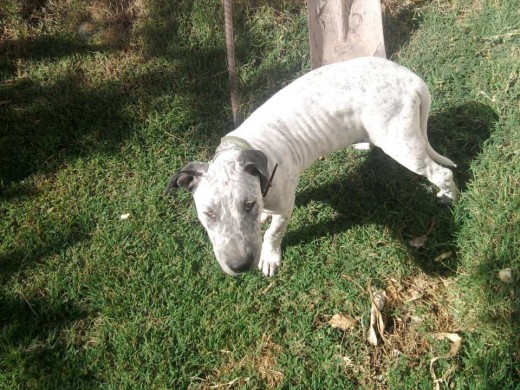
pixel 399 23
pixel 46 123
pixel 381 191
pixel 43 126
pixel 34 343
pixel 25 256
pixel 38 332
pixel 43 47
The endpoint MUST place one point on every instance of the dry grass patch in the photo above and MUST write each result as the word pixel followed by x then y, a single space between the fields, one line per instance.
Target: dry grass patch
pixel 261 361
pixel 106 22
pixel 114 20
pixel 417 312
pixel 418 309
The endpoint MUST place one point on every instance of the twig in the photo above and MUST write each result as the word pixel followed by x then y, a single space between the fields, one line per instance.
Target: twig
pixel 28 303
pixel 230 383
pixel 361 289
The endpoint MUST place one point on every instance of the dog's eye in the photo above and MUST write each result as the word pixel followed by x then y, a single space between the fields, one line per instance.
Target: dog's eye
pixel 249 205
pixel 210 213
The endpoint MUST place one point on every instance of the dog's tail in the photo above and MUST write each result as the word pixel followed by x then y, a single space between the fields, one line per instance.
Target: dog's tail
pixel 425 110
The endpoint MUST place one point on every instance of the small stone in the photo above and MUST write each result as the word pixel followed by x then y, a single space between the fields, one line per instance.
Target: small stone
pixel 505 275
pixel 88 29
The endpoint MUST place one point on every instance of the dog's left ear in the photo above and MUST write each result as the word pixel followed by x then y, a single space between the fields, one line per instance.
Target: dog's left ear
pixel 255 163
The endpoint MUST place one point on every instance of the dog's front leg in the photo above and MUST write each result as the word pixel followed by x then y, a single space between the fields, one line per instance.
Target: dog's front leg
pixel 271 257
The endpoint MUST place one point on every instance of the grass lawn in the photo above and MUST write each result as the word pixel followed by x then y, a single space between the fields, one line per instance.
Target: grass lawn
pixel 101 100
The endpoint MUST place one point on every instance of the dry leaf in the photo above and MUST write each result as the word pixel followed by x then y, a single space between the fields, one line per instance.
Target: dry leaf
pixel 443 256
pixel 342 321
pixel 124 216
pixel 379 299
pixel 418 242
pixel 372 337
pixel 414 295
pixel 454 338
pixel 505 275
pixel 377 322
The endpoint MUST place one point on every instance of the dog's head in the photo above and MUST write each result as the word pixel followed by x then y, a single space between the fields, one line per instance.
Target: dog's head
pixel 228 197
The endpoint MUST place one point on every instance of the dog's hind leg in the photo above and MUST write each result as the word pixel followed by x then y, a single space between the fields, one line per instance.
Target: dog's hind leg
pixel 416 159
pixel 411 149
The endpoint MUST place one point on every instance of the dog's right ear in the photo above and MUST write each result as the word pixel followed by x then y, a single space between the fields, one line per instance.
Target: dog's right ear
pixel 188 177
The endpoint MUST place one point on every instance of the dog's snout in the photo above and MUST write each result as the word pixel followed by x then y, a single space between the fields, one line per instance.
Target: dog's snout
pixel 243 264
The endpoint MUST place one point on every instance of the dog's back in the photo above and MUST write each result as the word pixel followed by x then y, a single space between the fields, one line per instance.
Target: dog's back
pixel 335 106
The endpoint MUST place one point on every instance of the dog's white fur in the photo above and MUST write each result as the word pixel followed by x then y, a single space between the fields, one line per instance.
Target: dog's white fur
pixel 362 100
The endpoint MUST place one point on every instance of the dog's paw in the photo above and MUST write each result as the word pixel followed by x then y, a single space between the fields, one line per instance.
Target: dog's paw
pixel 270 260
pixel 447 198
pixel 444 200
pixel 265 217
pixel 363 146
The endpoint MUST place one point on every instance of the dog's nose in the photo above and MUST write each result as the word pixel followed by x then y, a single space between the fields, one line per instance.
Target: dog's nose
pixel 242 265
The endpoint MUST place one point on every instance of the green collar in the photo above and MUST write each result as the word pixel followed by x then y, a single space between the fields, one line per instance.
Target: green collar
pixel 231 142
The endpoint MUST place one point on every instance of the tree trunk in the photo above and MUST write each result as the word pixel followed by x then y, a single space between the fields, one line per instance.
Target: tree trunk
pixel 230 49
pixel 345 29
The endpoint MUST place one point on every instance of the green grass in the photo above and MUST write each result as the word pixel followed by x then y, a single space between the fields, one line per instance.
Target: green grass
pixel 91 127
